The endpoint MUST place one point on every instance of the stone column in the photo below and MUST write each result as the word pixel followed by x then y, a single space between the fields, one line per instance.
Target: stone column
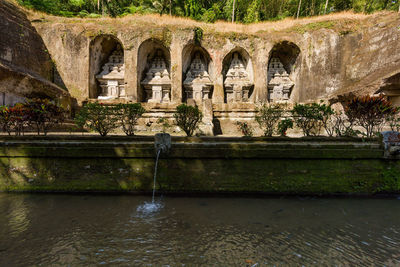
pixel 176 71
pixel 131 74
pixel 260 63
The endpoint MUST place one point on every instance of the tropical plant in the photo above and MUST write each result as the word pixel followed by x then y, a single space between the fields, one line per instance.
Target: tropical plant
pixel 188 118
pixel 129 115
pixel 369 112
pixel 284 125
pixel 394 121
pixel 310 118
pixel 268 117
pixel 246 11
pixel 43 114
pixel 5 119
pixel 98 117
pixel 18 118
pixel 245 128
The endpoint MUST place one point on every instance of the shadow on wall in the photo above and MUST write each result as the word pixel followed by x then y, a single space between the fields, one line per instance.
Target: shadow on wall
pixel 105 167
pixel 282 70
pixel 26 67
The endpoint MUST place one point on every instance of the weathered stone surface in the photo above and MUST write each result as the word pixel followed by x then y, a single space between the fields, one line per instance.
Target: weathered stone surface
pixel 321 63
pixel 158 81
pixel 196 165
pixel 197 83
pixel 111 78
pixel 237 82
pixel 26 68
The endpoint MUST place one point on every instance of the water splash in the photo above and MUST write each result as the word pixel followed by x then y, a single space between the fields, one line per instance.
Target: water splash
pixel 148 208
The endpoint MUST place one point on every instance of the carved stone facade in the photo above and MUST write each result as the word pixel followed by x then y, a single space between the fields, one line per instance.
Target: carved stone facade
pixel 157 83
pixel 197 83
pixel 237 82
pixel 111 78
pixel 279 85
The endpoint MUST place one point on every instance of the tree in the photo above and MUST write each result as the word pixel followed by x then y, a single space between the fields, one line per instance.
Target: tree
pixel 268 117
pixel 369 112
pixel 187 118
pixel 129 114
pixel 98 117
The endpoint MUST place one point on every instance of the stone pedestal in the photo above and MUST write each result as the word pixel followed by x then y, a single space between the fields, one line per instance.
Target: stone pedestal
pixel 237 82
pixel 111 78
pixel 157 83
pixel 279 83
pixel 197 83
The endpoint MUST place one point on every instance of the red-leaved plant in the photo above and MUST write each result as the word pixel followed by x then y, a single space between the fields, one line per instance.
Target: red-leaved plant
pixel 369 112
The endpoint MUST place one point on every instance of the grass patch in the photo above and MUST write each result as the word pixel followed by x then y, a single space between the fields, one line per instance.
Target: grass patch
pixel 313 26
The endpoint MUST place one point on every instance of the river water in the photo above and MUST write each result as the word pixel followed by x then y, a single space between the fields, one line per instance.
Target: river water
pixel 90 230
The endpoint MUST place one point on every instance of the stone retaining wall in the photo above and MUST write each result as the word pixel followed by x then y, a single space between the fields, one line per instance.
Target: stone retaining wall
pixel 197 166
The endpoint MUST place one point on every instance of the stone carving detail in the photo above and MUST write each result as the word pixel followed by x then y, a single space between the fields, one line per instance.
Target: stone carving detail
pixel 157 83
pixel 237 82
pixel 197 83
pixel 111 78
pixel 279 85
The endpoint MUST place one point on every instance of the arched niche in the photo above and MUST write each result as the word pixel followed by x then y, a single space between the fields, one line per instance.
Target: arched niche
pixel 281 63
pixel 153 57
pixel 238 75
pixel 198 73
pixel 106 74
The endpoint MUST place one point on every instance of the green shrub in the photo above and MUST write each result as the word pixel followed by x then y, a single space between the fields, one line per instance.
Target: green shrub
pixel 187 118
pixel 245 128
pixel 369 112
pixel 394 121
pixel 42 114
pixel 129 114
pixel 310 118
pixel 98 117
pixel 284 125
pixel 268 117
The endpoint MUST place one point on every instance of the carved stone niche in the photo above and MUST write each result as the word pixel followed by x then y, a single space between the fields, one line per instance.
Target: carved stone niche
pixel 237 82
pixel 111 78
pixel 157 83
pixel 279 85
pixel 197 83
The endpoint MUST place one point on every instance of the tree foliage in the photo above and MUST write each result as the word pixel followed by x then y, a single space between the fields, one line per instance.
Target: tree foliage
pixel 246 11
pixel 369 112
pixel 268 117
pixel 311 118
pixel 129 115
pixel 98 117
pixel 187 118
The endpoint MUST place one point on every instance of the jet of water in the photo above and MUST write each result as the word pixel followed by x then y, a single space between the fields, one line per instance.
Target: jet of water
pixel 155 175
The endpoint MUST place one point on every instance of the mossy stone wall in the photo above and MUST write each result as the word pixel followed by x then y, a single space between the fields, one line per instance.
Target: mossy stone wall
pixel 198 167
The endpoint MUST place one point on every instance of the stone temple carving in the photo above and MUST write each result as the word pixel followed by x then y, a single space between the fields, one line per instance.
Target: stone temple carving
pixel 197 83
pixel 111 78
pixel 157 83
pixel 237 82
pixel 279 85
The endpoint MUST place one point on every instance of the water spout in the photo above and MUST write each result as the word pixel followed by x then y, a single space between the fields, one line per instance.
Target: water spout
pixel 162 144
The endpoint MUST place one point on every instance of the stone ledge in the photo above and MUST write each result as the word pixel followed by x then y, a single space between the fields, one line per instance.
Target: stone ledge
pixel 210 150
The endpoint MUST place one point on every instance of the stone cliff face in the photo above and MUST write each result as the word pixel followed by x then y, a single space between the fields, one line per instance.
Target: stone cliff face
pixel 329 61
pixel 26 69
pixel 322 59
